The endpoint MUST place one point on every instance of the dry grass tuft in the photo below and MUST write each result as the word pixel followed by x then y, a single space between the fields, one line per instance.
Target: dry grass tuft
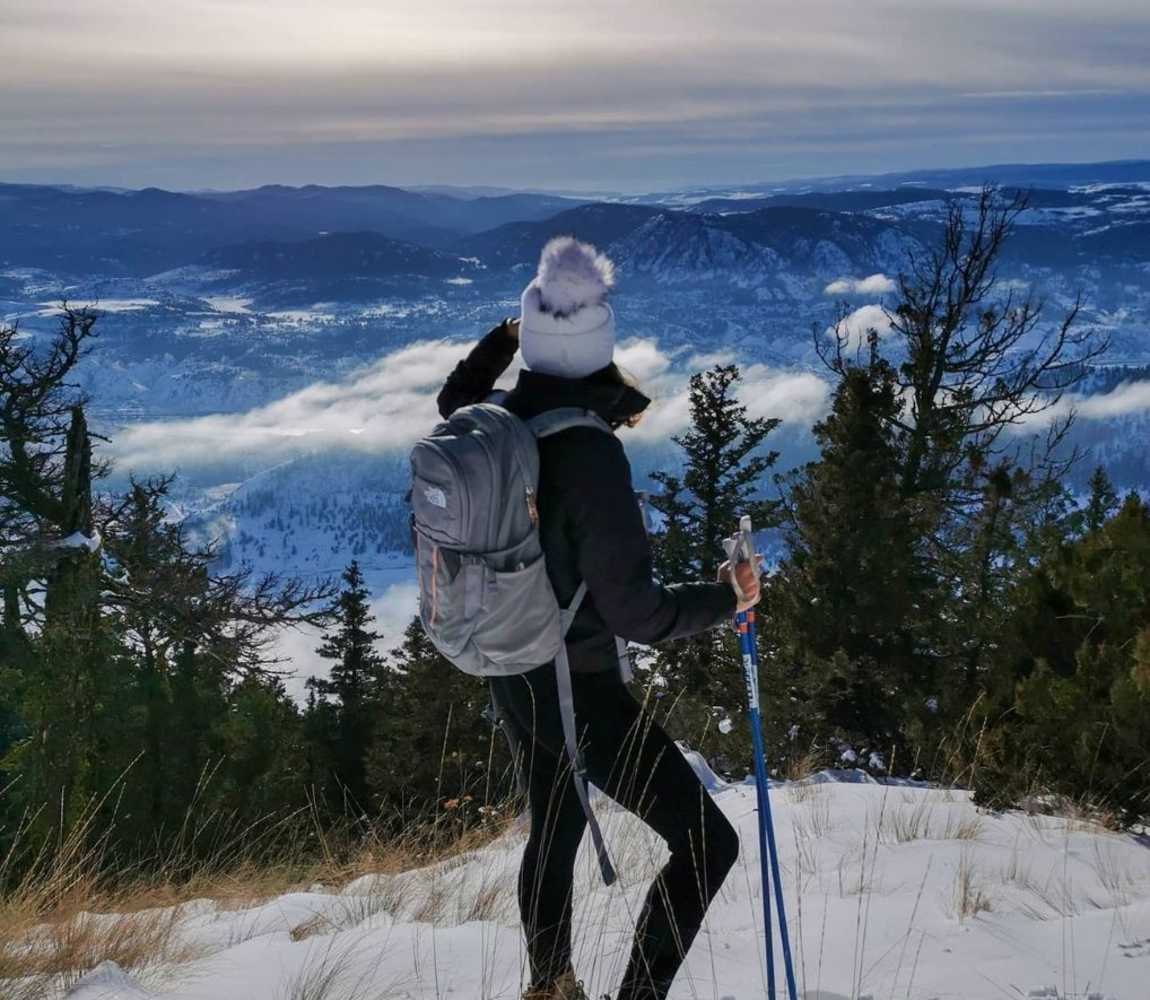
pixel 798 773
pixel 1052 811
pixel 962 827
pixel 914 820
pixel 1116 878
pixel 65 909
pixel 495 897
pixel 53 956
pixel 51 929
pixel 339 974
pixel 318 924
pixel 970 896
pixel 904 823
pixel 854 881
pixel 813 820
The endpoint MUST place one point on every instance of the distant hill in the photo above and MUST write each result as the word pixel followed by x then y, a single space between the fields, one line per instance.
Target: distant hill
pixel 788 245
pixel 423 216
pixel 363 254
pixel 108 232
pixel 1025 175
pixel 744 248
pixel 832 201
pixel 144 232
pixel 338 267
pixel 518 243
pixel 274 233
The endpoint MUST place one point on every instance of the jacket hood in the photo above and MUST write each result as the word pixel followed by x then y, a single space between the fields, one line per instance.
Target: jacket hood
pixel 603 392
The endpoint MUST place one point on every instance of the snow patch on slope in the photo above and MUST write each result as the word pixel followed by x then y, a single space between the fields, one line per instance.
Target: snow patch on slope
pixel 892 890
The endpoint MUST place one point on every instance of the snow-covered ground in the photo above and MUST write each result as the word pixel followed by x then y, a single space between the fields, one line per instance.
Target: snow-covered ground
pixel 893 891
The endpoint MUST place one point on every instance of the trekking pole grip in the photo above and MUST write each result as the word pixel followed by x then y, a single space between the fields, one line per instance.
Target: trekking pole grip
pixel 740 548
pixel 746 536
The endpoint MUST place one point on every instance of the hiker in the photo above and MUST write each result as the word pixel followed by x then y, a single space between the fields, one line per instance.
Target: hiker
pixel 592 531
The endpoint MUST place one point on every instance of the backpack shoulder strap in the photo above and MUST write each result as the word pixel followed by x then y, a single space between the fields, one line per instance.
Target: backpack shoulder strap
pixel 567 614
pixel 565 417
pixel 571 737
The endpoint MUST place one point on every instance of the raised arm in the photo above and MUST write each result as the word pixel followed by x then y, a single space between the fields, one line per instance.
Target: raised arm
pixel 475 376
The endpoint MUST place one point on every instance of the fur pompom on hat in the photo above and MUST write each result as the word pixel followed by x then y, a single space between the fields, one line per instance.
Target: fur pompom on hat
pixel 566 327
pixel 572 275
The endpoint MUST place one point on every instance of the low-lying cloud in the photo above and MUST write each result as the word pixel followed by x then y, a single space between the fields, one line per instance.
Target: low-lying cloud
pixel 1129 399
pixel 875 284
pixel 383 407
pixel 856 326
pixel 1125 400
pixel 387 406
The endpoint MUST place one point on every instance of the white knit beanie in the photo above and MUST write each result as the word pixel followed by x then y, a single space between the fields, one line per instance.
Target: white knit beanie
pixel 566 326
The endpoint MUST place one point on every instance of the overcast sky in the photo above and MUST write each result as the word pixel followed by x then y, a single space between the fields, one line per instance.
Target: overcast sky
pixel 631 95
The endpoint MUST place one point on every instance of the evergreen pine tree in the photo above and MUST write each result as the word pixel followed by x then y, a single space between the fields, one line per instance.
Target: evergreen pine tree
pixel 72 650
pixel 724 465
pixel 355 676
pixel 435 752
pixel 1070 713
pixel 971 364
pixel 261 745
pixel 1103 500
pixel 847 603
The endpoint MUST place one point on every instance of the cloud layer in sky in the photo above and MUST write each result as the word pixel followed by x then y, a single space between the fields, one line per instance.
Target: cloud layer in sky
pixel 537 92
pixel 856 326
pixel 389 405
pixel 1130 399
pixel 875 284
pixel 385 406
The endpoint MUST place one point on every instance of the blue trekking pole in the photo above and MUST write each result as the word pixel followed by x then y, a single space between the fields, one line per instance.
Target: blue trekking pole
pixel 740 549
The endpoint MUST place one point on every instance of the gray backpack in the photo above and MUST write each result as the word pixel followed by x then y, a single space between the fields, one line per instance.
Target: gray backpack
pixel 485 599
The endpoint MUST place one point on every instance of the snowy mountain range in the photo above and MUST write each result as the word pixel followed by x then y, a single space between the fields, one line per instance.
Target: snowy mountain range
pixel 255 340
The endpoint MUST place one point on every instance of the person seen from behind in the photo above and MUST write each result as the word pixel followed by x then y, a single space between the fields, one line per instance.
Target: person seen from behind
pixel 592 531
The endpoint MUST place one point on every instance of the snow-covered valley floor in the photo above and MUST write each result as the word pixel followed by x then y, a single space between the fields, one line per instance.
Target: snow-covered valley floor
pixel 893 892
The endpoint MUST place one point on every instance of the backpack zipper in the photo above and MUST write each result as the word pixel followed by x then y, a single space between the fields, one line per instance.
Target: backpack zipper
pixel 481 437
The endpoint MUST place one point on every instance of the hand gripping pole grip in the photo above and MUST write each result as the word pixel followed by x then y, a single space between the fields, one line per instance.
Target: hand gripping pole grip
pixel 740 548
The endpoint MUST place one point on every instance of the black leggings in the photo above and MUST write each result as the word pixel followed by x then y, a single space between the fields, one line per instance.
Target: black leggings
pixel 630 758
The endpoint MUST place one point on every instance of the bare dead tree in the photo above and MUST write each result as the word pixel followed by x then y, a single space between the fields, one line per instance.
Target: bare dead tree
pixel 166 598
pixel 984 377
pixel 46 466
pixel 977 358
pixel 37 406
pixel 50 522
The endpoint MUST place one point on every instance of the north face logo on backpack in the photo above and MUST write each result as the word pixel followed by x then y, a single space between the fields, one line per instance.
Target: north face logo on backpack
pixel 436 496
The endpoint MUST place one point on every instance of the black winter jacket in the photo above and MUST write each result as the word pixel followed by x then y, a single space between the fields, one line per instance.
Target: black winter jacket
pixel 591 526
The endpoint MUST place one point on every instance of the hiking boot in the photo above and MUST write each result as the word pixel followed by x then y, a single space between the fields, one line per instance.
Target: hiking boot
pixel 566 987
